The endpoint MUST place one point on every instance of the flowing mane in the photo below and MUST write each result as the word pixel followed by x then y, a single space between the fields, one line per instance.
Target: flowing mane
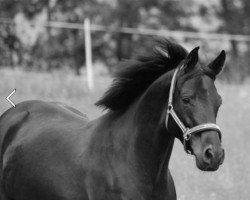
pixel 137 74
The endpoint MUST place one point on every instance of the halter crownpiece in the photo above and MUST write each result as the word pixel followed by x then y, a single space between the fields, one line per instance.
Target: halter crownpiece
pixel 187 132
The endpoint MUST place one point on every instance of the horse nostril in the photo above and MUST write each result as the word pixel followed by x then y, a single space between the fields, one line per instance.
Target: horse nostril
pixel 208 154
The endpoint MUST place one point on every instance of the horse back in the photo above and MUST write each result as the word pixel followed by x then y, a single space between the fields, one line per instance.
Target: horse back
pixel 41 113
pixel 40 142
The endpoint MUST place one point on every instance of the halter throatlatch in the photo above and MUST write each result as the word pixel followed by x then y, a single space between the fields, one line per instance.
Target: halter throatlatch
pixel 187 132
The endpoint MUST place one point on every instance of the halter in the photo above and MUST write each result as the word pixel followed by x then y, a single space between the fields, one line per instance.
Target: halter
pixel 187 132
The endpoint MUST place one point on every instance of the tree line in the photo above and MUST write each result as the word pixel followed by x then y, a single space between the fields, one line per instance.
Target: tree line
pixel 50 48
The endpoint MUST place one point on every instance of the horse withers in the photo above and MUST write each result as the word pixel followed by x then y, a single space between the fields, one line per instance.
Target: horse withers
pixel 50 151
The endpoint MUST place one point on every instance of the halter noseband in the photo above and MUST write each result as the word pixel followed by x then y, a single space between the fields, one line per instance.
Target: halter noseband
pixel 187 132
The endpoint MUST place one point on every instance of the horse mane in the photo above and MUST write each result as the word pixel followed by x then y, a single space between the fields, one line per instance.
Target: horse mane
pixel 138 74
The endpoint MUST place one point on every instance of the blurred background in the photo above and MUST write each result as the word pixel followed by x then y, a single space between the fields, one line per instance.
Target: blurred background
pixel 67 51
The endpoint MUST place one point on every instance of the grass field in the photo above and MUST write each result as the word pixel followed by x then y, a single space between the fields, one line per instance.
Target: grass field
pixel 230 182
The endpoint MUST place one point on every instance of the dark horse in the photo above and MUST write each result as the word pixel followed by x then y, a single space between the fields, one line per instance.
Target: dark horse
pixel 50 151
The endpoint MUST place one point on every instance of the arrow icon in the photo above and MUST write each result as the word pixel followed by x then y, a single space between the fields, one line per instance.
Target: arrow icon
pixel 8 98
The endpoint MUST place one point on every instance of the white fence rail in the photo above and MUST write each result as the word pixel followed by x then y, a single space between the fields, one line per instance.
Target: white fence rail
pixel 143 31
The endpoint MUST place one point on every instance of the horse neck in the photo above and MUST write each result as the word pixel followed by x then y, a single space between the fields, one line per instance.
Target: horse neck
pixel 152 144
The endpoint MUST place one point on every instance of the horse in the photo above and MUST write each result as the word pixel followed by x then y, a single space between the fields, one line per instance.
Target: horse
pixel 50 151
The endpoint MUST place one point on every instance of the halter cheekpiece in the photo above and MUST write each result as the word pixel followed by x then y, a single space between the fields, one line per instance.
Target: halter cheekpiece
pixel 187 132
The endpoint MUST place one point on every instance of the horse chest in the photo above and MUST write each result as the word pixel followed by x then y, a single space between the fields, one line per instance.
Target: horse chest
pixel 104 185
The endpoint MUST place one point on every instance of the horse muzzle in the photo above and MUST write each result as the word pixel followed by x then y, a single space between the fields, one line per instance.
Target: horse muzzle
pixel 210 158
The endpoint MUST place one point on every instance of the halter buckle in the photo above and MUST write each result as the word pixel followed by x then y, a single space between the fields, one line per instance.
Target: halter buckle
pixel 187 135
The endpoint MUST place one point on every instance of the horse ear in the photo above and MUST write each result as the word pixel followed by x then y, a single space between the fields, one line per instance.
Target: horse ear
pixel 217 64
pixel 191 60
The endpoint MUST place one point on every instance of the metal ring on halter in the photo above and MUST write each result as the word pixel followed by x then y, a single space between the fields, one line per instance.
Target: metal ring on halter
pixel 187 135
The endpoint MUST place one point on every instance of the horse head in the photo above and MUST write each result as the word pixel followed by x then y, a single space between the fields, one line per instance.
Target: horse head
pixel 196 103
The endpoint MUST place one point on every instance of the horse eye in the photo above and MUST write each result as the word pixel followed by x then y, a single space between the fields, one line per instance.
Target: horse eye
pixel 186 100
